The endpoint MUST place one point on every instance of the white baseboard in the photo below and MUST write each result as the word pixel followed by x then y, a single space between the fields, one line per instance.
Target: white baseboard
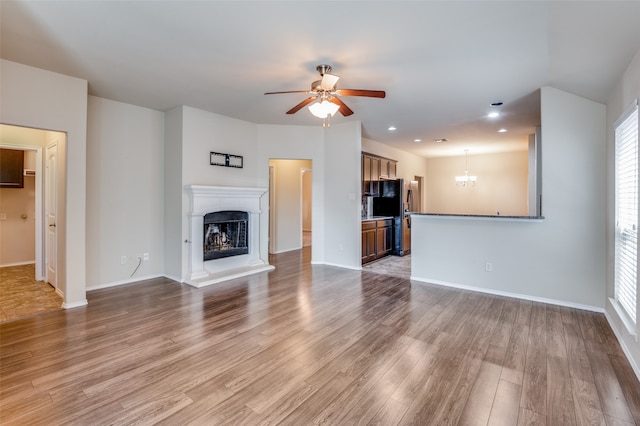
pixel 75 304
pixel 623 345
pixel 509 294
pixel 176 279
pixel 122 282
pixel 28 262
pixel 337 265
pixel 286 250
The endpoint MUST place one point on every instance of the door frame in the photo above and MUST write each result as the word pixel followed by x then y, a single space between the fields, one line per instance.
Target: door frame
pixel 45 209
pixel 303 171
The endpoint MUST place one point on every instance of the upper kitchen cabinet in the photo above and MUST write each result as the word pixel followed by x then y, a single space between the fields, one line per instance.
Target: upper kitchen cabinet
pixel 375 169
pixel 11 168
pixel 370 175
pixel 387 168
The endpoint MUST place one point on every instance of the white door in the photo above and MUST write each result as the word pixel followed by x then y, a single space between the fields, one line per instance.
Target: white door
pixel 51 210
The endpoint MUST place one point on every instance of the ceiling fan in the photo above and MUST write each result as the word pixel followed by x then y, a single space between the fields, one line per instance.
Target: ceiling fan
pixel 327 95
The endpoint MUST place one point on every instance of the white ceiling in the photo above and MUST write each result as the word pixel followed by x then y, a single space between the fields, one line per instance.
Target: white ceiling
pixel 441 62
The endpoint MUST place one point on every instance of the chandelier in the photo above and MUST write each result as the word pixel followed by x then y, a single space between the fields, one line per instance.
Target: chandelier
pixel 466 179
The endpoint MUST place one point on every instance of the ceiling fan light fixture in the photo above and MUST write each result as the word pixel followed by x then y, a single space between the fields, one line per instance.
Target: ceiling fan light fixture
pixel 323 109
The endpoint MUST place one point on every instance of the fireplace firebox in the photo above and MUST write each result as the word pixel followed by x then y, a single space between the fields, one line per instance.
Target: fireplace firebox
pixel 225 234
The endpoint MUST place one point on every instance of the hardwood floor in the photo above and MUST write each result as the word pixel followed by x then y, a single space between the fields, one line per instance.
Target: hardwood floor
pixel 313 344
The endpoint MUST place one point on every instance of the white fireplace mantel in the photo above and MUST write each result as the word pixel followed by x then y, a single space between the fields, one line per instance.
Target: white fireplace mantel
pixel 209 199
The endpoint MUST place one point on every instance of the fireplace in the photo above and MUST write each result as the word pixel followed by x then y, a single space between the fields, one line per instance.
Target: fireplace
pixel 225 237
pixel 225 234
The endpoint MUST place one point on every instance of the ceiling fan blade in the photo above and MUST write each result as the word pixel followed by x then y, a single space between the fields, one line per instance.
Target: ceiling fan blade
pixel 290 91
pixel 302 105
pixel 329 81
pixel 344 109
pixel 367 93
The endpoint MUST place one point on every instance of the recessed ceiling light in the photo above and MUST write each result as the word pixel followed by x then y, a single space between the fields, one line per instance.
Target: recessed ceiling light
pixel 417 140
pixel 493 114
pixel 391 128
pixel 494 104
pixel 502 130
pixel 441 140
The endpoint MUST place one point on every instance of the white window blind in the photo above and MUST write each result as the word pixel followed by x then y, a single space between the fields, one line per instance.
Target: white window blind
pixel 626 239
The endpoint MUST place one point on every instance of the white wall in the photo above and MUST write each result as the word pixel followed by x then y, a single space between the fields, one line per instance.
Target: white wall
pixel 202 133
pixel 295 142
pixel 502 184
pixel 288 203
pixel 335 154
pixel 626 90
pixel 342 200
pixel 18 233
pixel 173 191
pixel 560 259
pixel 32 97
pixel 125 197
pixel 190 135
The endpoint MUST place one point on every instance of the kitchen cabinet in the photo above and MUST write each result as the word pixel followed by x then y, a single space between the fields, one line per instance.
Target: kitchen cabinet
pixel 368 241
pixel 370 175
pixel 11 168
pixel 387 168
pixel 377 239
pixel 375 169
pixel 384 237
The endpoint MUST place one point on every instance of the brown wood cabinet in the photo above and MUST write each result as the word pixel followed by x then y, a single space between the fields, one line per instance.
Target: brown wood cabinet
pixel 377 239
pixel 370 175
pixel 387 168
pixel 375 169
pixel 384 237
pixel 368 241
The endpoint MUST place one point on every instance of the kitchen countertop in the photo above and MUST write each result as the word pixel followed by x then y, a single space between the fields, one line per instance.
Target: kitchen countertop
pixel 479 216
pixel 368 218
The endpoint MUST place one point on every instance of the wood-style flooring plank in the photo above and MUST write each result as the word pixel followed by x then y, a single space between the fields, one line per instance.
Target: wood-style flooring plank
pixel 587 404
pixel 478 406
pixel 560 406
pixel 506 404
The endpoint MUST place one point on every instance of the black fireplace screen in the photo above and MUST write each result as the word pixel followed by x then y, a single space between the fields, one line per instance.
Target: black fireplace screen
pixel 225 234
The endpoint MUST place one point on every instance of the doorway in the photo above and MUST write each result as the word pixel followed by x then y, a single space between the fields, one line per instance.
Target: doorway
pixel 28 287
pixel 417 194
pixel 290 205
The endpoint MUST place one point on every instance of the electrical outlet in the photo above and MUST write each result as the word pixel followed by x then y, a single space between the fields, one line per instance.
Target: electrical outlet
pixel 123 260
pixel 488 267
pixel 145 256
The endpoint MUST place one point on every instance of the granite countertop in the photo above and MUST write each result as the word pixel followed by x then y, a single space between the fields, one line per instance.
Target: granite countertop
pixel 481 216
pixel 367 218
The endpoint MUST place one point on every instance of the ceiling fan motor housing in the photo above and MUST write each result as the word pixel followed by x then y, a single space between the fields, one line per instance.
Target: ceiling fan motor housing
pixel 323 69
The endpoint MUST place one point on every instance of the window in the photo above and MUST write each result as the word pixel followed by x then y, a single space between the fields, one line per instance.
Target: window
pixel 626 214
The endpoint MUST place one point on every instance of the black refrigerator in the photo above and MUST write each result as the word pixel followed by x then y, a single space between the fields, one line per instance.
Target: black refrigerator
pixel 396 199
